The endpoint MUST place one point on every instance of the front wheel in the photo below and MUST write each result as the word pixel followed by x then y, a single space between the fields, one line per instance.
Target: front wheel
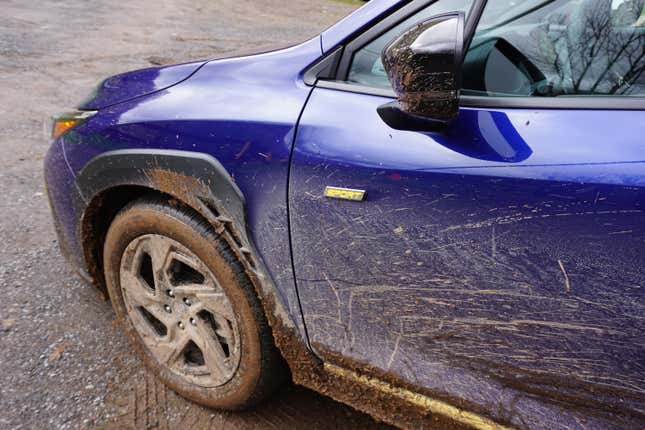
pixel 188 306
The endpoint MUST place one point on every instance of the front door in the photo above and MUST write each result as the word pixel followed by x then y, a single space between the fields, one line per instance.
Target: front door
pixel 498 265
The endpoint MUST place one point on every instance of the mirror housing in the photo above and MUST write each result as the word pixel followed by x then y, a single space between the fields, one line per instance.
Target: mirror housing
pixel 424 67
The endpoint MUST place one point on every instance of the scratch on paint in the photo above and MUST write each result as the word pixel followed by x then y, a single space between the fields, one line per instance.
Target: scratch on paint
pixel 243 150
pixel 621 232
pixel 550 324
pixel 567 284
pixel 514 219
pixel 338 305
pixel 394 351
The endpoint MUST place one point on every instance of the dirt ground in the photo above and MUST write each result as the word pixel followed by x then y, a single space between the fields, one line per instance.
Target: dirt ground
pixel 64 363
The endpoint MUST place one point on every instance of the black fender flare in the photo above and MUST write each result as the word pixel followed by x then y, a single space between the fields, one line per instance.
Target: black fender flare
pixel 145 167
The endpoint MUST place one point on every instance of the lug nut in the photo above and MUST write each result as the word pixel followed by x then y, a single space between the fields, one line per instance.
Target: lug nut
pixel 187 301
pixel 171 293
pixel 181 325
pixel 167 308
pixel 193 322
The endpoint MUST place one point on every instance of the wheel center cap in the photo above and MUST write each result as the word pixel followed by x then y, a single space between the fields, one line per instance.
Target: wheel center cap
pixel 182 308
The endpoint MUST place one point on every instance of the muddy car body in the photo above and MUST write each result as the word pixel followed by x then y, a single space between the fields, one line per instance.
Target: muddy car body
pixel 485 272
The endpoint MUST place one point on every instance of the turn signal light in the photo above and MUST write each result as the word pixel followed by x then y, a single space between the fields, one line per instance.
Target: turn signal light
pixel 67 121
pixel 61 126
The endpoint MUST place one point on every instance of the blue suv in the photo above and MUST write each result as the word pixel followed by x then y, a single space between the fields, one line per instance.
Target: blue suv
pixel 434 211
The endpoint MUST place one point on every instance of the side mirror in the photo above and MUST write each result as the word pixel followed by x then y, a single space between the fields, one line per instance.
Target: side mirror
pixel 424 67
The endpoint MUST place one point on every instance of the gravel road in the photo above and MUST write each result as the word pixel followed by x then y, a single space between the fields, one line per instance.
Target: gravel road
pixel 64 362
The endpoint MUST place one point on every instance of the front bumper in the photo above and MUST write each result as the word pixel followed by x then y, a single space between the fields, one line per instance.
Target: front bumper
pixel 63 198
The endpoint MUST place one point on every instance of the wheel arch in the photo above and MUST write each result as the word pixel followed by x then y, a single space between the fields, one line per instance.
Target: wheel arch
pixel 199 182
pixel 95 221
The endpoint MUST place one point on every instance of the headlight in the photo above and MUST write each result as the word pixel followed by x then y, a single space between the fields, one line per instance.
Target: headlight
pixel 69 120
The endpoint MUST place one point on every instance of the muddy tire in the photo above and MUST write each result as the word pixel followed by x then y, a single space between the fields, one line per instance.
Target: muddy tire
pixel 188 307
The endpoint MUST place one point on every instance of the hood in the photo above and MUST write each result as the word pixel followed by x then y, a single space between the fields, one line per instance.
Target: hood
pixel 129 85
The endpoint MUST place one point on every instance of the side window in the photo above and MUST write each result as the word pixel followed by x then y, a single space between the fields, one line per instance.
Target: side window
pixel 561 47
pixel 537 48
pixel 366 67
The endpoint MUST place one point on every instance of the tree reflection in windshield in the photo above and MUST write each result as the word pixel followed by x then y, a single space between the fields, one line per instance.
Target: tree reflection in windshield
pixel 579 47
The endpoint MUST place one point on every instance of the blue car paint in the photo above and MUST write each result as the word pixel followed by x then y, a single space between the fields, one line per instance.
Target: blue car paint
pixel 501 259
pixel 129 85
pixel 559 193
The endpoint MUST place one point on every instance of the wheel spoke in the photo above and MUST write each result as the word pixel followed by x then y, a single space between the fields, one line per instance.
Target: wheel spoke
pixel 136 291
pixel 160 313
pixel 205 298
pixel 171 348
pixel 217 303
pixel 190 290
pixel 158 248
pixel 214 357
pixel 224 330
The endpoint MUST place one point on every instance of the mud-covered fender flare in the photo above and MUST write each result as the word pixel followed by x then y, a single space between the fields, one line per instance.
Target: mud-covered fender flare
pixel 146 168
pixel 199 181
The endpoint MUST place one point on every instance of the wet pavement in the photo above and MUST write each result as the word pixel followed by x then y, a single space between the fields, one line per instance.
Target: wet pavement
pixel 65 364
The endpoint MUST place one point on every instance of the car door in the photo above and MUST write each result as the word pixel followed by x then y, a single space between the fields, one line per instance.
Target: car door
pixel 498 265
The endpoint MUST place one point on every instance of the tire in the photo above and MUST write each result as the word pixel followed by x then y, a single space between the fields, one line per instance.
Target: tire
pixel 200 326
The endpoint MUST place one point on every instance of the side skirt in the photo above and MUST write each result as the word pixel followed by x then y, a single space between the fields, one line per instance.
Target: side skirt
pixel 438 407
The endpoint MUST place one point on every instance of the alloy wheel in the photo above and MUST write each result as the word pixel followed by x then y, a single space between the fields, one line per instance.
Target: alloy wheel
pixel 179 310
